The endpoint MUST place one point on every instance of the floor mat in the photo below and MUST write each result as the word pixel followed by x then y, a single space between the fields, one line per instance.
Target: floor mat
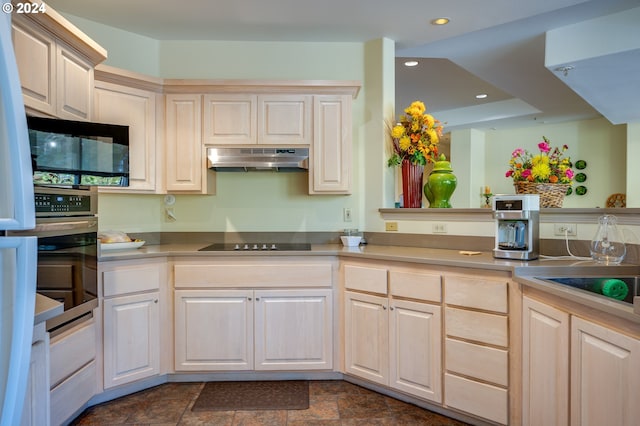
pixel 264 395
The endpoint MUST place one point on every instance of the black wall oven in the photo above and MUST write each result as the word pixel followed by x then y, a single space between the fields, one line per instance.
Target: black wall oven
pixel 67 231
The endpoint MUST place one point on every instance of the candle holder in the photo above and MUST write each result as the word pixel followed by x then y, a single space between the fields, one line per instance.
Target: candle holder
pixel 487 200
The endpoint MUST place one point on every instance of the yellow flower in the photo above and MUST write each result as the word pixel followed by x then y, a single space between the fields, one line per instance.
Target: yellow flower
pixel 416 108
pixel 397 131
pixel 540 159
pixel 540 170
pixel 405 142
pixel 433 136
pixel 429 121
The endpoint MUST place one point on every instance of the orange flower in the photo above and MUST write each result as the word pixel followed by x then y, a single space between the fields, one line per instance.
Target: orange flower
pixel 553 179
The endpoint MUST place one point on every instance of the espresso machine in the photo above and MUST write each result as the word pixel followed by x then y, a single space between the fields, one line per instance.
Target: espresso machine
pixel 517 226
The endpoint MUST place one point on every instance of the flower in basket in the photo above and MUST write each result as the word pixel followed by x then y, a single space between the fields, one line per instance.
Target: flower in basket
pixel 548 166
pixel 415 137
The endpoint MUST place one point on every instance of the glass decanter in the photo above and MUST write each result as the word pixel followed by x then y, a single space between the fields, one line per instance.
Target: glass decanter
pixel 608 246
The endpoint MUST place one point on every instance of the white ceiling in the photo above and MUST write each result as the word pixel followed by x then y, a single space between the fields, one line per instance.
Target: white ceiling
pixel 491 46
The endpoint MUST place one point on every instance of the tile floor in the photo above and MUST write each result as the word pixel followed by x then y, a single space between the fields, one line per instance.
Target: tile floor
pixel 330 403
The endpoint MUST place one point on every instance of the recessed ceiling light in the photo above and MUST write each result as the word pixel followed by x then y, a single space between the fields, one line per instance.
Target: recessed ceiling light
pixel 440 21
pixel 411 63
pixel 481 96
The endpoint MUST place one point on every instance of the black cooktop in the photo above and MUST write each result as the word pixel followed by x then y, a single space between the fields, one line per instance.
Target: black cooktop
pixel 257 247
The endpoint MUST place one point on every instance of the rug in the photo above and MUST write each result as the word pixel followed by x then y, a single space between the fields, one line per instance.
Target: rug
pixel 263 395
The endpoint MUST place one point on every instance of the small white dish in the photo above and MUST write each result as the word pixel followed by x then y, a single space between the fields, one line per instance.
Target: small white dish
pixel 350 240
pixel 121 246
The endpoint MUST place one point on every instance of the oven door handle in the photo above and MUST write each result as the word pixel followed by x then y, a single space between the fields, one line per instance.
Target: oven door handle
pixel 65 226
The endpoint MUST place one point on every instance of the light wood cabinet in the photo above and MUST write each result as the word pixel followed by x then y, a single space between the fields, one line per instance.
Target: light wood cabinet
pixel 545 364
pixel 330 163
pixel 394 340
pixel 186 169
pixel 73 375
pixel 55 62
pixel 275 314
pixel 131 321
pixel 127 102
pixel 265 330
pixel 35 411
pixel 604 375
pixel 579 367
pixel 245 119
pixel 476 363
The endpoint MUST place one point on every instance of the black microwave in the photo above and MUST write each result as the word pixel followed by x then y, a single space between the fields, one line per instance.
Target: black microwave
pixel 66 152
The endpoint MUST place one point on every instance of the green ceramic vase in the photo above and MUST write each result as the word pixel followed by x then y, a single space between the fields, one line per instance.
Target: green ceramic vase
pixel 440 184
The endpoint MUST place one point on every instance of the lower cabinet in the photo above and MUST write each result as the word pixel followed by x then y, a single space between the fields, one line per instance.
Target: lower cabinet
pixel 392 340
pixel 580 362
pixel 131 320
pixel 476 378
pixel 288 329
pixel 73 376
pixel 35 411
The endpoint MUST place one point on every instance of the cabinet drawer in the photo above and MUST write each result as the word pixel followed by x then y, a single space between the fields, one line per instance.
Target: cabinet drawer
pixel 482 362
pixel 71 350
pixel 131 279
pixel 480 399
pixel 73 393
pixel 478 326
pixel 365 278
pixel 415 285
pixel 253 275
pixel 476 292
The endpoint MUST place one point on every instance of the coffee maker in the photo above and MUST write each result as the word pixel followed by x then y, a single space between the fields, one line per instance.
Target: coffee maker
pixel 517 226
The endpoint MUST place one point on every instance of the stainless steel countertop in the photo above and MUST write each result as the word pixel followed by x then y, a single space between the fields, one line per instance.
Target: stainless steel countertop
pixel 524 272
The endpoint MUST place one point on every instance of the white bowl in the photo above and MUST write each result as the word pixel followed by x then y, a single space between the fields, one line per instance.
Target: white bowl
pixel 350 241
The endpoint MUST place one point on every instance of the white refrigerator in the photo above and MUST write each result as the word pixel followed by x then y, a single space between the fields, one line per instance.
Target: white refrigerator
pixel 18 255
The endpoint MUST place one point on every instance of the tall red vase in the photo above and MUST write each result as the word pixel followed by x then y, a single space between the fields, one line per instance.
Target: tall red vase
pixel 412 184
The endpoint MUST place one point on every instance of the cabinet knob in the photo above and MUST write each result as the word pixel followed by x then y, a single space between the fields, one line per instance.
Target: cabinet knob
pixel 391 308
pixel 155 301
pixel 384 307
pixel 249 299
pixel 257 299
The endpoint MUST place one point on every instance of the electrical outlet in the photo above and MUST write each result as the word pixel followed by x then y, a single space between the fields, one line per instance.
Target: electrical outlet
pixel 571 229
pixel 346 214
pixel 391 226
pixel 439 228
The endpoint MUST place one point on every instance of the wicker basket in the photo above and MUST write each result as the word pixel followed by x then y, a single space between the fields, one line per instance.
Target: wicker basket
pixel 551 194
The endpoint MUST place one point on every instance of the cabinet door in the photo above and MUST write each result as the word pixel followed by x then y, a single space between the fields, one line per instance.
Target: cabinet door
pixel 131 338
pixel 184 153
pixel 284 119
pixel 35 54
pixel 213 330
pixel 74 79
pixel 293 330
pixel 545 364
pixel 367 337
pixel 605 377
pixel 135 108
pixel 415 349
pixel 230 119
pixel 330 165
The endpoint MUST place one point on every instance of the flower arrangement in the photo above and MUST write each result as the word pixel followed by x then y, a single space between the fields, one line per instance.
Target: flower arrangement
pixel 548 166
pixel 415 137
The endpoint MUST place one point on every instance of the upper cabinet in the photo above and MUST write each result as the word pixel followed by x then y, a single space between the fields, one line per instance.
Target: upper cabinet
pixel 56 62
pixel 125 98
pixel 245 119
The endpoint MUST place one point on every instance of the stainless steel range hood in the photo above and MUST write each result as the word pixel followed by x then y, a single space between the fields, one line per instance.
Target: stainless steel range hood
pixel 249 159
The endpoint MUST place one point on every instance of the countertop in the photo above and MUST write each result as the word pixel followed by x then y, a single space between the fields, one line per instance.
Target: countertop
pixel 46 308
pixel 526 273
